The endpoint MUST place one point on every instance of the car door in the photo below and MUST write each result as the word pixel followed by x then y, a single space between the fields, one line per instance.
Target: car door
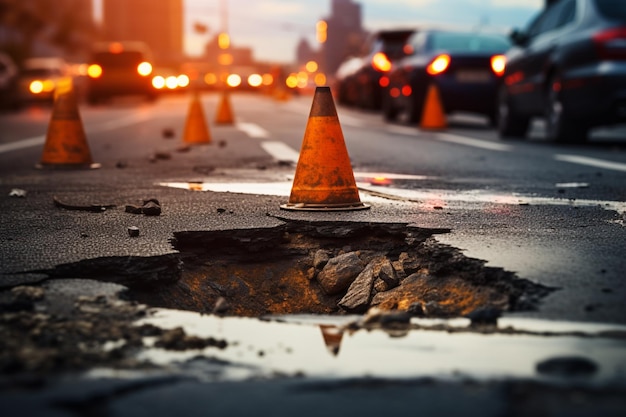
pixel 531 62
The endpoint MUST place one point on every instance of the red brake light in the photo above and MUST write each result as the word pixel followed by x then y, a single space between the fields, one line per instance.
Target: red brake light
pixel 380 62
pixel 438 65
pixel 498 64
pixel 611 43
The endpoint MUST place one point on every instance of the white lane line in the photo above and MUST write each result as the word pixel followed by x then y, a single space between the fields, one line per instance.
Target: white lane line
pixel 403 130
pixel 280 151
pixel 103 127
pixel 476 143
pixel 593 162
pixel 21 144
pixel 253 130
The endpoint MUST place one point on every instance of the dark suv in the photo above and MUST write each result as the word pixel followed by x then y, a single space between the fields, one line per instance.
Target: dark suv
pixel 568 66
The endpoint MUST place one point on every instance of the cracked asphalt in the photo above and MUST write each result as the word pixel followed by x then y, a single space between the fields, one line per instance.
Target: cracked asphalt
pixel 281 366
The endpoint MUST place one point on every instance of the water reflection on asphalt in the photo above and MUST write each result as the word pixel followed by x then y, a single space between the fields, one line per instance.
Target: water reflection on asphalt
pixel 447 349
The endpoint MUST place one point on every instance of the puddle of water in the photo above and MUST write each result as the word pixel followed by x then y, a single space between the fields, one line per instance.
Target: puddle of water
pixel 377 189
pixel 316 347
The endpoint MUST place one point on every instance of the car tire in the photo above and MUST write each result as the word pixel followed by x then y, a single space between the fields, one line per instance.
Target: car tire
pixel 415 107
pixel 510 124
pixel 560 126
pixel 390 113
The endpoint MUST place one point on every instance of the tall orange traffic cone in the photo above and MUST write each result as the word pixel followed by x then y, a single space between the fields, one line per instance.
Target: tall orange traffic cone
pixel 433 115
pixel 66 144
pixel 224 111
pixel 324 179
pixel 196 128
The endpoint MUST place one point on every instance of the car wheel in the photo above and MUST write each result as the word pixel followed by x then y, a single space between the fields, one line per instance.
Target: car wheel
pixel 390 113
pixel 415 107
pixel 560 126
pixel 509 123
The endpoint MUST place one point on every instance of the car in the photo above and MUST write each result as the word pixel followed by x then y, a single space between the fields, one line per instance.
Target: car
pixel 8 82
pixel 464 66
pixel 39 77
pixel 360 80
pixel 568 66
pixel 119 68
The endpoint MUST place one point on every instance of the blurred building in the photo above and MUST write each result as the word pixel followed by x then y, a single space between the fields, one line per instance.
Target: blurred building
pixel 157 23
pixel 47 28
pixel 345 33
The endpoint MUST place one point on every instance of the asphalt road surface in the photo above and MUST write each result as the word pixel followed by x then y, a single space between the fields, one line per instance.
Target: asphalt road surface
pixel 552 214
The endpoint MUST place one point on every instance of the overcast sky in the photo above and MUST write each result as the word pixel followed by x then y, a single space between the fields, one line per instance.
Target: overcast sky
pixel 273 27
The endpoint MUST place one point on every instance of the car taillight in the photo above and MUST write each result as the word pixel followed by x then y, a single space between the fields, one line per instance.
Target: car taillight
pixel 438 65
pixel 144 69
pixel 94 71
pixel 611 43
pixel 380 62
pixel 498 64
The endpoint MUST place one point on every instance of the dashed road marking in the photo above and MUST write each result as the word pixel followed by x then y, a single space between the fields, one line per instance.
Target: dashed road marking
pixel 280 151
pixel 475 143
pixel 253 130
pixel 593 162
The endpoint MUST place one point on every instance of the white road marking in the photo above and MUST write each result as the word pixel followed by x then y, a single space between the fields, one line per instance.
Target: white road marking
pixel 21 144
pixel 253 130
pixel 403 130
pixel 593 162
pixel 102 127
pixel 476 143
pixel 280 151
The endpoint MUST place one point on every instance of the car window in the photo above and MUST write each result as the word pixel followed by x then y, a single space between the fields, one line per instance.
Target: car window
pixel 471 42
pixel 122 59
pixel 612 9
pixel 568 13
pixel 41 72
pixel 417 43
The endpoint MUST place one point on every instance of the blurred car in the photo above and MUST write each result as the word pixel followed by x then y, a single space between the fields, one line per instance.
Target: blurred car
pixel 8 82
pixel 569 66
pixel 360 81
pixel 119 68
pixel 464 66
pixel 39 78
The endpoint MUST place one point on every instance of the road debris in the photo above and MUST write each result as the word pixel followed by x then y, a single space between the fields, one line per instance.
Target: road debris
pixel 93 208
pixel 17 192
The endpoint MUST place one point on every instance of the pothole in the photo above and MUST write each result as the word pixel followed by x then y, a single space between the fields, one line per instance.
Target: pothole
pixel 309 267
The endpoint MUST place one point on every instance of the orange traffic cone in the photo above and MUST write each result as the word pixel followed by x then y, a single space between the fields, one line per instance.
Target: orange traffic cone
pixel 433 115
pixel 196 128
pixel 224 112
pixel 324 179
pixel 66 144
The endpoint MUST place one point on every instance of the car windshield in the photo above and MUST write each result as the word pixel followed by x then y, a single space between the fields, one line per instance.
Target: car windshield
pixel 468 42
pixel 41 72
pixel 122 59
pixel 612 9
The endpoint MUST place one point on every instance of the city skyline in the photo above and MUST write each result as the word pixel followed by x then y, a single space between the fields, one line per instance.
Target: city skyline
pixel 273 28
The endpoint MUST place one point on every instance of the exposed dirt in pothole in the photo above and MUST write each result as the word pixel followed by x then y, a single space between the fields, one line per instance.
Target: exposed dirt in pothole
pixel 316 268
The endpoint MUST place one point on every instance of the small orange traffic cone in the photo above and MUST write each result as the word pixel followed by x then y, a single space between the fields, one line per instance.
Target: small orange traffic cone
pixel 433 115
pixel 332 337
pixel 324 180
pixel 224 111
pixel 66 144
pixel 196 128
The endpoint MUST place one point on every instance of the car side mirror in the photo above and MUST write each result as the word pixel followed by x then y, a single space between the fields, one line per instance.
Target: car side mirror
pixel 518 37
